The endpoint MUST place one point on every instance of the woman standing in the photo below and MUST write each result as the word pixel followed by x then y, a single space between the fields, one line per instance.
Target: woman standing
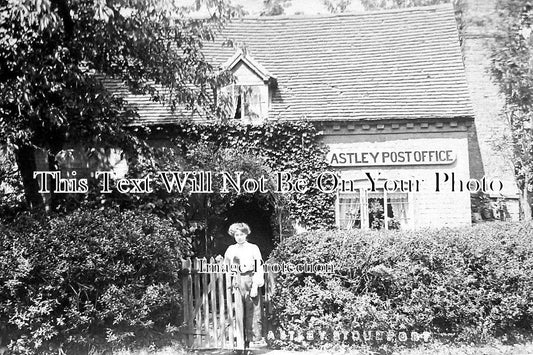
pixel 248 258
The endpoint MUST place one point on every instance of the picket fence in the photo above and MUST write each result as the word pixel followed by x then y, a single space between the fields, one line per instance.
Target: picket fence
pixel 213 309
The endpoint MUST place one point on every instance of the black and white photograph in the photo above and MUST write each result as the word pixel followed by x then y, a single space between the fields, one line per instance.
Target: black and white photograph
pixel 266 177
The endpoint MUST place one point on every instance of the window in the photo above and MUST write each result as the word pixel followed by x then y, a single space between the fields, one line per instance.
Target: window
pixel 349 207
pixel 244 102
pixel 247 99
pixel 373 209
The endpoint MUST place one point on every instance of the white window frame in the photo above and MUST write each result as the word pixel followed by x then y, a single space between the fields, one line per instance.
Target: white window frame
pixel 263 104
pixel 364 208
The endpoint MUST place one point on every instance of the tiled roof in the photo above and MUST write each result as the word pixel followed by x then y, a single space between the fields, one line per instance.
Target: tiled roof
pixel 149 112
pixel 402 64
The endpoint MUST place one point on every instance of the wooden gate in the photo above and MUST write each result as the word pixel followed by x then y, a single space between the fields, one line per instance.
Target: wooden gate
pixel 212 308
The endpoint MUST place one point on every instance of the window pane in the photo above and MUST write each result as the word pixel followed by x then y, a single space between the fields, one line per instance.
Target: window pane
pixel 399 206
pixel 350 211
pixel 228 101
pixel 376 210
pixel 238 107
pixel 252 102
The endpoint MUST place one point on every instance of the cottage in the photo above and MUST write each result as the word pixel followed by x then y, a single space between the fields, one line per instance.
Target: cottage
pixel 389 92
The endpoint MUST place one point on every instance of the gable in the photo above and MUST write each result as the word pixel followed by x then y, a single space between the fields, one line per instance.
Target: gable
pixel 246 75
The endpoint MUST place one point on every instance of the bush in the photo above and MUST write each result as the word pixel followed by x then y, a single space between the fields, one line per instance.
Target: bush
pixel 92 279
pixel 473 284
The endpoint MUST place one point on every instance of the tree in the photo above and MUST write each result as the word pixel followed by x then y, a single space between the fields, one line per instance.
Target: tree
pixel 340 6
pixel 274 7
pixel 511 66
pixel 53 53
pixel 337 6
pixel 399 4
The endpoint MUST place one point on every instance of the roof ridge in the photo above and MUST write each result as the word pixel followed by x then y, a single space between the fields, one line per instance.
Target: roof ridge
pixel 349 14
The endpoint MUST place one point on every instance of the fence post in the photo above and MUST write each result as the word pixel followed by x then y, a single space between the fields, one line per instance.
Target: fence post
pixel 230 304
pixel 221 310
pixel 205 303
pixel 239 313
pixel 213 275
pixel 197 303
pixel 188 310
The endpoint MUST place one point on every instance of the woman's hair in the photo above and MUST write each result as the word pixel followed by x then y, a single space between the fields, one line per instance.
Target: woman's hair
pixel 243 227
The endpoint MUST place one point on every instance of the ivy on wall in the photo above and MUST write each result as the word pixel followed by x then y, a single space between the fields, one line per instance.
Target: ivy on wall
pixel 293 147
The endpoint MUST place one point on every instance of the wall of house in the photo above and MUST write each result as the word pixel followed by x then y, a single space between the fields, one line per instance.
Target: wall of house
pixel 428 207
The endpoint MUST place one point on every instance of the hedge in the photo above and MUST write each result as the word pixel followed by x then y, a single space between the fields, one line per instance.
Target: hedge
pixel 473 284
pixel 90 280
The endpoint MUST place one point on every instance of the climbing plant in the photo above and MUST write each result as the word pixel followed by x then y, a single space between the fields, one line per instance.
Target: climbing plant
pixel 290 147
pixel 512 56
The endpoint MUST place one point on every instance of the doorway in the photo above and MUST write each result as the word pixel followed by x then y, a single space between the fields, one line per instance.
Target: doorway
pixel 257 216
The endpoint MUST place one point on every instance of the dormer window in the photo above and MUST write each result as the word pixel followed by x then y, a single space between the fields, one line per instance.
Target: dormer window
pixel 246 101
pixel 248 98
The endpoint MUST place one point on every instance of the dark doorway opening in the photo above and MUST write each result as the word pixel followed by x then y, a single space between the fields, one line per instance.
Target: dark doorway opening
pixel 257 216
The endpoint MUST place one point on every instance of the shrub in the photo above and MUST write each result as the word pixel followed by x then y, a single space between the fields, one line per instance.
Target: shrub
pixel 474 284
pixel 89 279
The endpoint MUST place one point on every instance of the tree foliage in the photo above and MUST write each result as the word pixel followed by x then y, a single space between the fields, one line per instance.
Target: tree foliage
pixel 53 55
pixel 274 7
pixel 337 6
pixel 399 4
pixel 511 66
